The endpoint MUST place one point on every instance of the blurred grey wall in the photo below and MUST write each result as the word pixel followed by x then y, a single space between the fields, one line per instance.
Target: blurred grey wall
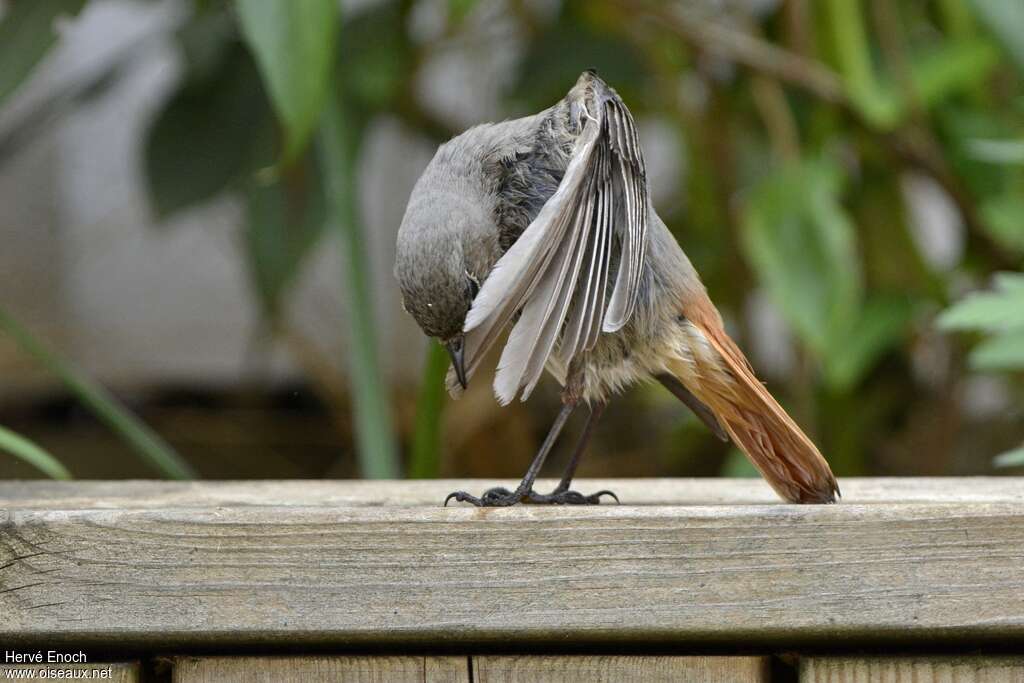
pixel 136 303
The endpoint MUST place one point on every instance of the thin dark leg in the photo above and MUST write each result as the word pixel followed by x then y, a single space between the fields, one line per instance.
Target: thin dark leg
pixel 526 485
pixel 562 495
pixel 502 497
pixel 581 446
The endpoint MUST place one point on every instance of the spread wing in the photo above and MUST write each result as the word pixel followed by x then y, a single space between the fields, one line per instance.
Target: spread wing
pixel 588 239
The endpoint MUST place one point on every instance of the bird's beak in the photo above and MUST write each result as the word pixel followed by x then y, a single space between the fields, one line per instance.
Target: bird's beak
pixel 458 362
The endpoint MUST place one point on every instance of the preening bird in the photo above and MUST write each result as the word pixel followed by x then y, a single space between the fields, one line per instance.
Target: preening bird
pixel 544 225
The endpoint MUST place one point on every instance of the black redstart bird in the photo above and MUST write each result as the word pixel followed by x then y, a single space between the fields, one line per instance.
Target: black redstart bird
pixel 544 224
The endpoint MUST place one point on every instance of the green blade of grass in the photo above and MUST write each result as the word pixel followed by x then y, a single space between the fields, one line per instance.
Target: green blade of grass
pixel 33 454
pixel 340 133
pixel 425 462
pixel 146 443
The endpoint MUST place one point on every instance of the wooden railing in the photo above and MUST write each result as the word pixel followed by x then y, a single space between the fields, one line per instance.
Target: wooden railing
pixel 687 580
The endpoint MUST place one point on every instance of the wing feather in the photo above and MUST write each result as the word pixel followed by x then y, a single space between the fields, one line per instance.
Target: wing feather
pixel 558 273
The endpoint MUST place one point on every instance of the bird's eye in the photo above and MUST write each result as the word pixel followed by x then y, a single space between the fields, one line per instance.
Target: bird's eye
pixel 473 285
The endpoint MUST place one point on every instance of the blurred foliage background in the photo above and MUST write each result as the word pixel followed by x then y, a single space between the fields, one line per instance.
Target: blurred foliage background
pixel 846 175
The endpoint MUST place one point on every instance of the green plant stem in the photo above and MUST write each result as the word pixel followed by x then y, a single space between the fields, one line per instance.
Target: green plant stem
pixel 853 59
pixel 340 134
pixel 956 17
pixel 851 45
pixel 149 445
pixel 426 444
pixel 33 454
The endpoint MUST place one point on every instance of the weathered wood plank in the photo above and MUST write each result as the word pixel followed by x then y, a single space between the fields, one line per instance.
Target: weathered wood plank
pixel 49 495
pixel 120 672
pixel 321 670
pixel 765 575
pixel 553 669
pixel 912 670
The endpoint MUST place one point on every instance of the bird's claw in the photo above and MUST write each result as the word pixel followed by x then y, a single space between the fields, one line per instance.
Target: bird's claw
pixel 492 498
pixel 571 498
pixel 502 497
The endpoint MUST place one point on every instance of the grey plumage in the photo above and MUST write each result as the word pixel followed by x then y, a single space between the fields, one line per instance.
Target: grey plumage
pixel 574 175
pixel 549 217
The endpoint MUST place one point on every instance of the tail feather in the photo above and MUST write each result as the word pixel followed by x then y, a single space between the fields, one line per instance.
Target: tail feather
pixel 787 459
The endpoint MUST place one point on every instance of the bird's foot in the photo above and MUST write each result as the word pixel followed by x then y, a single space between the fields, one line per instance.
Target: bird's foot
pixel 492 498
pixel 502 497
pixel 569 497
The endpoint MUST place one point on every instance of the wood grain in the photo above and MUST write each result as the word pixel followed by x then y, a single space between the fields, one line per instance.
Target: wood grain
pixel 50 495
pixel 616 669
pixel 322 670
pixel 245 575
pixel 912 670
pixel 120 672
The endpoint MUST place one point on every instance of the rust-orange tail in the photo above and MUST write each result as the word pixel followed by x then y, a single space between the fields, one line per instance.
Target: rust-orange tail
pixel 714 369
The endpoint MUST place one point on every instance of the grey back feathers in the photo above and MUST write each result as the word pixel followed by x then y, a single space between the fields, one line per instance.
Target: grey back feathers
pixel 558 274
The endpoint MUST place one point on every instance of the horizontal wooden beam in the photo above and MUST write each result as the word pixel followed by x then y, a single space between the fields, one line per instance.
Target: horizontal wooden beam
pixel 406 669
pixel 302 565
pixel 48 495
pixel 465 669
pixel 974 669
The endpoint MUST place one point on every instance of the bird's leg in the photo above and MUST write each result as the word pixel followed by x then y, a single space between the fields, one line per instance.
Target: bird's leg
pixel 562 494
pixel 502 497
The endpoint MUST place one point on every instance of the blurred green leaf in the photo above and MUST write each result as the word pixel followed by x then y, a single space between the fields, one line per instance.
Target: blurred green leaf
pixel 962 126
pixel 425 462
pixel 954 67
pixel 26 34
pixel 988 311
pixel 999 312
pixel 212 133
pixel 294 43
pixel 33 454
pixel 1007 152
pixel 284 220
pixel 1011 282
pixel 1014 458
pixel 1003 219
pixel 951 68
pixel 882 322
pixel 1003 352
pixel 147 444
pixel 801 244
pixel 1005 18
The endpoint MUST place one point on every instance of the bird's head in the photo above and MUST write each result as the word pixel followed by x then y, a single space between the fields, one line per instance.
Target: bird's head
pixel 440 263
